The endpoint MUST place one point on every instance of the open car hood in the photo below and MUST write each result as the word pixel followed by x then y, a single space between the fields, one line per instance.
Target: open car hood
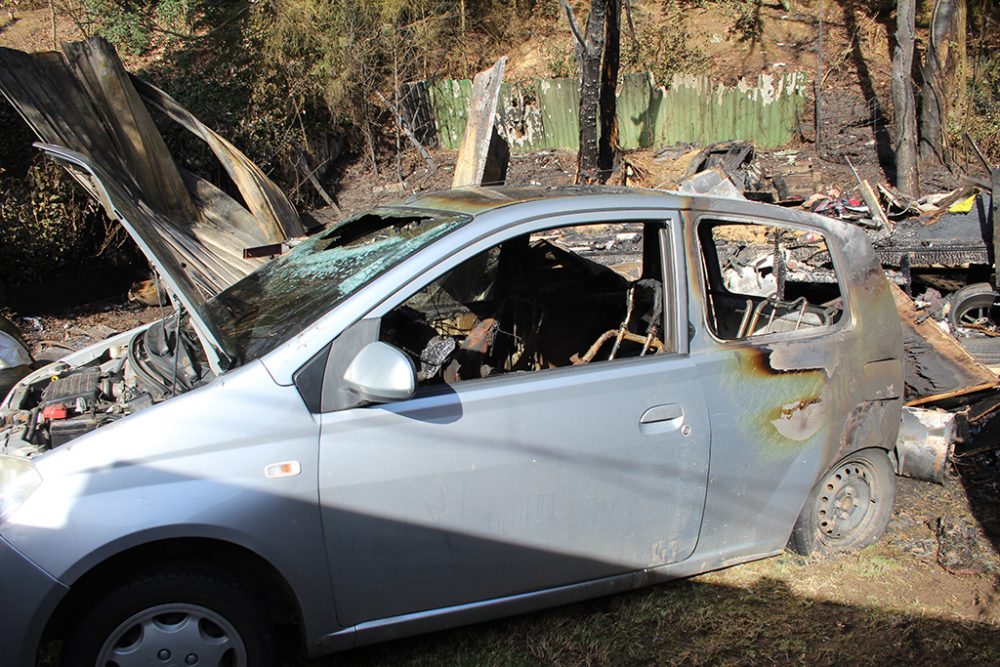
pixel 95 118
pixel 141 223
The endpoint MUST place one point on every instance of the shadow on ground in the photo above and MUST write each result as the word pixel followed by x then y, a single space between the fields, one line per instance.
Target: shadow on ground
pixel 980 475
pixel 696 623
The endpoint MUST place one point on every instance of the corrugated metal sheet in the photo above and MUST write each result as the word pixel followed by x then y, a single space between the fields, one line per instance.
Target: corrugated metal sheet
pixel 543 114
pixel 450 109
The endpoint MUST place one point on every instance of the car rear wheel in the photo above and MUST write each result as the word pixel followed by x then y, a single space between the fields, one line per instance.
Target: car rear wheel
pixel 849 508
pixel 175 616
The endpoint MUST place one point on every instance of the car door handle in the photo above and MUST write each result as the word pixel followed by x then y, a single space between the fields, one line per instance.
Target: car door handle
pixel 662 413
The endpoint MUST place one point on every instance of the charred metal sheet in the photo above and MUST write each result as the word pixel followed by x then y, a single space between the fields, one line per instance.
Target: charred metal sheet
pixel 953 240
pixel 67 105
pixel 926 440
pixel 85 101
pixel 271 209
pixel 935 362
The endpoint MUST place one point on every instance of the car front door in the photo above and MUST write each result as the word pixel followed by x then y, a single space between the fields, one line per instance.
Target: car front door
pixel 523 481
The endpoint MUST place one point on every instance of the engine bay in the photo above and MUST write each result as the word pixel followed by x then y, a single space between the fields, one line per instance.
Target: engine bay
pixel 63 401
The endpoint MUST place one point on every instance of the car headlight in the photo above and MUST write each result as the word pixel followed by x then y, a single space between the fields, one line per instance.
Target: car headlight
pixel 18 480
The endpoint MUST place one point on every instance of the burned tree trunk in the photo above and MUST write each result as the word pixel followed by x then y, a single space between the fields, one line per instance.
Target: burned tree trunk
pixel 589 49
pixel 907 179
pixel 944 75
pixel 608 142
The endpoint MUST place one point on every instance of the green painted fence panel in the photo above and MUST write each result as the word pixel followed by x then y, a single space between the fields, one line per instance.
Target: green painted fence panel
pixel 519 119
pixel 559 101
pixel 692 109
pixel 450 102
pixel 635 120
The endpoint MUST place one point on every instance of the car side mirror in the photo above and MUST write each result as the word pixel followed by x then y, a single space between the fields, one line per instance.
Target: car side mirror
pixel 381 373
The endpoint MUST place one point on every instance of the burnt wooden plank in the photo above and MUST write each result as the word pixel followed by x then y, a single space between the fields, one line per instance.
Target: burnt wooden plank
pixel 935 362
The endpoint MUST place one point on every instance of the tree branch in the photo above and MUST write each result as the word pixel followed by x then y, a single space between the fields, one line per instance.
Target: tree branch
pixel 404 126
pixel 574 28
pixel 628 18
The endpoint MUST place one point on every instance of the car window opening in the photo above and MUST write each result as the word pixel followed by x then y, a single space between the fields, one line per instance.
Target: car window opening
pixel 765 279
pixel 562 297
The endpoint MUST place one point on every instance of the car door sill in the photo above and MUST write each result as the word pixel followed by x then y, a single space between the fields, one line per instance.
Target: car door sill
pixel 404 625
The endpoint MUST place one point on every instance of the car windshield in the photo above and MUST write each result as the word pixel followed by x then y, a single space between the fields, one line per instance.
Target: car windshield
pixel 272 304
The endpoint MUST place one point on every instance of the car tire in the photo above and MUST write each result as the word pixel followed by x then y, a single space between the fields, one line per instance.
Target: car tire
pixel 971 303
pixel 985 349
pixel 177 616
pixel 848 508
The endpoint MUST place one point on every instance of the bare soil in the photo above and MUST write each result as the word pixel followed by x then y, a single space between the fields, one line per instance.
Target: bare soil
pixel 31 30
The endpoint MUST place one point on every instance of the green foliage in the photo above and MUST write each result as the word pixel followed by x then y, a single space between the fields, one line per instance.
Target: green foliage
pixel 46 222
pixel 134 26
pixel 983 120
pixel 748 24
pixel 662 52
pixel 561 62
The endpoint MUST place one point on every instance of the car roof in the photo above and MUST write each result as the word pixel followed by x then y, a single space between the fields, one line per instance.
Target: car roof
pixel 477 200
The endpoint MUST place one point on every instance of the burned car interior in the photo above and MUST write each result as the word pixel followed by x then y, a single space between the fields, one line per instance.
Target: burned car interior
pixel 765 279
pixel 552 299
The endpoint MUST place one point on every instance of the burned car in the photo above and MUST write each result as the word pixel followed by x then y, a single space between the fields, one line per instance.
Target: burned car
pixel 470 404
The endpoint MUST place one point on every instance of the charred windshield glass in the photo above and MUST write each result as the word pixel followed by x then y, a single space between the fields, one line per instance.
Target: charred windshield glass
pixel 277 301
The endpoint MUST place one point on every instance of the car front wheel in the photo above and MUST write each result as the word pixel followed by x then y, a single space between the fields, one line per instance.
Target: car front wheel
pixel 849 507
pixel 175 616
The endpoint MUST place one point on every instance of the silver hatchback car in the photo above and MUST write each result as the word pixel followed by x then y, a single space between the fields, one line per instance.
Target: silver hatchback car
pixel 471 404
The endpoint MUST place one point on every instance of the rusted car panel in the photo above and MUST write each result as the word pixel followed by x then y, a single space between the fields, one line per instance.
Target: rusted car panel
pixel 799 401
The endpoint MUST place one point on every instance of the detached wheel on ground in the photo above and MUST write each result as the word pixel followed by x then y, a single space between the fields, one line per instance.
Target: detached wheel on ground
pixel 175 616
pixel 849 508
pixel 975 307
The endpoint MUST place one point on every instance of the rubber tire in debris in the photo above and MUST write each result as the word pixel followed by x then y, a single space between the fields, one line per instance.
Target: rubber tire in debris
pixel 849 507
pixel 229 608
pixel 971 297
pixel 985 349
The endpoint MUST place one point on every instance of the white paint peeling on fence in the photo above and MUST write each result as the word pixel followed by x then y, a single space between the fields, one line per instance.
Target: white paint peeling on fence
pixel 692 109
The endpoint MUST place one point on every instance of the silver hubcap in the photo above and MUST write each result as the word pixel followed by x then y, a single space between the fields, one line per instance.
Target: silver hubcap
pixel 174 635
pixel 846 500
